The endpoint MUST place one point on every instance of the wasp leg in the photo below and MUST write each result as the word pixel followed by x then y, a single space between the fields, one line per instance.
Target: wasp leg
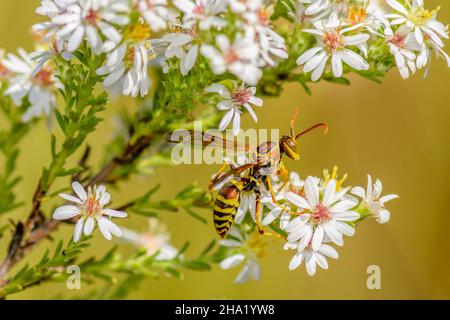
pixel 274 198
pixel 284 174
pixel 258 214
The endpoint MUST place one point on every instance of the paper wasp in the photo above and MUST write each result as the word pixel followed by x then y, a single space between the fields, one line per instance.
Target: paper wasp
pixel 250 177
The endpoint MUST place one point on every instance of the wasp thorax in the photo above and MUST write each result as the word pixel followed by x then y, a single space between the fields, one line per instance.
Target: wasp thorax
pixel 321 214
pixel 333 41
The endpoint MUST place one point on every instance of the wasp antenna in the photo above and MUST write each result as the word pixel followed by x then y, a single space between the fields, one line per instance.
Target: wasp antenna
pixel 324 125
pixel 293 118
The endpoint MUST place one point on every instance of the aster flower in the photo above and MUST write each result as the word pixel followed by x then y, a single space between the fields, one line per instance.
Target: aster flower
pixel 233 101
pixel 126 66
pixel 72 20
pixel 332 44
pixel 321 214
pixel 183 44
pixel 155 240
pixel 414 17
pixel 426 52
pixel 372 200
pixel 321 9
pixel 204 13
pixel 27 80
pixel 402 48
pixel 154 12
pixel 312 258
pixel 271 44
pixel 246 249
pixel 89 207
pixel 239 58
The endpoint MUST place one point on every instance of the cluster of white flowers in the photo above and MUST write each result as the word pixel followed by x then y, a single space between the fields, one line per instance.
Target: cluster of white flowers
pixel 315 214
pixel 236 38
pixel 346 29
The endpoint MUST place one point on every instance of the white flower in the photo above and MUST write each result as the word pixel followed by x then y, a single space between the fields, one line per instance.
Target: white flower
pixel 247 251
pixel 154 12
pixel 321 215
pixel 332 44
pixel 239 58
pixel 320 9
pixel 89 207
pixel 155 240
pixel 126 66
pixel 270 43
pixel 425 55
pixel 183 45
pixel 240 96
pixel 242 6
pixel 27 80
pixel 312 258
pixel 401 46
pixel 73 20
pixel 414 17
pixel 373 201
pixel 205 13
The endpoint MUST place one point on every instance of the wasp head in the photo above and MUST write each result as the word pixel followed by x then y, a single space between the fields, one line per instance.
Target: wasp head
pixel 289 147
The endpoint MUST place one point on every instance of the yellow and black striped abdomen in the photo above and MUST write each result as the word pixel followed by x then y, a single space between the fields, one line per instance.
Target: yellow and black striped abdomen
pixel 225 206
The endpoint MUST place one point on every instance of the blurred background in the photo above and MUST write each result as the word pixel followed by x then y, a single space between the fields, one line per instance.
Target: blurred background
pixel 398 131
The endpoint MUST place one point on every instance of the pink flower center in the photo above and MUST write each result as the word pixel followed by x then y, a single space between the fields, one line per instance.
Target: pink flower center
pixel 199 9
pixel 321 214
pixel 398 41
pixel 333 41
pixel 241 96
pixel 231 56
pixel 44 77
pixel 92 206
pixel 92 17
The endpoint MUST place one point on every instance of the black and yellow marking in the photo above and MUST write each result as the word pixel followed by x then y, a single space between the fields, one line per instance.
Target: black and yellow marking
pixel 226 205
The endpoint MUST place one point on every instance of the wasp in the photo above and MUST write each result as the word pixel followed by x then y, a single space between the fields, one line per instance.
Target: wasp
pixel 254 176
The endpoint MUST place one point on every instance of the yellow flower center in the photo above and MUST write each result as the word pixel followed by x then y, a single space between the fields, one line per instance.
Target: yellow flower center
pixel 139 32
pixel 421 15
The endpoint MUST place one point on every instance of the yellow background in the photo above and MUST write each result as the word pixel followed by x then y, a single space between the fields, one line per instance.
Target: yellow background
pixel 397 131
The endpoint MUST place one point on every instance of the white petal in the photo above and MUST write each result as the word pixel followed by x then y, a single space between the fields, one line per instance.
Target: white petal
pixel 343 205
pixel 69 197
pixel 297 200
pixel 346 216
pixel 329 192
pixel 79 190
pixel 296 261
pixel 78 230
pixel 312 192
pixel 232 261
pixel 89 226
pixel 307 55
pixel 115 213
pixel 329 251
pixel 66 212
pixel 317 237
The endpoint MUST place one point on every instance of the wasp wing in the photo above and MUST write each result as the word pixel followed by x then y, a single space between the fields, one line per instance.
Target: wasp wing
pixel 207 139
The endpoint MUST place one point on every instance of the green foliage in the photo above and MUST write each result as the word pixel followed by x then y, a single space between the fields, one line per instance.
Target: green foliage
pixel 79 117
pixel 49 267
pixel 11 134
